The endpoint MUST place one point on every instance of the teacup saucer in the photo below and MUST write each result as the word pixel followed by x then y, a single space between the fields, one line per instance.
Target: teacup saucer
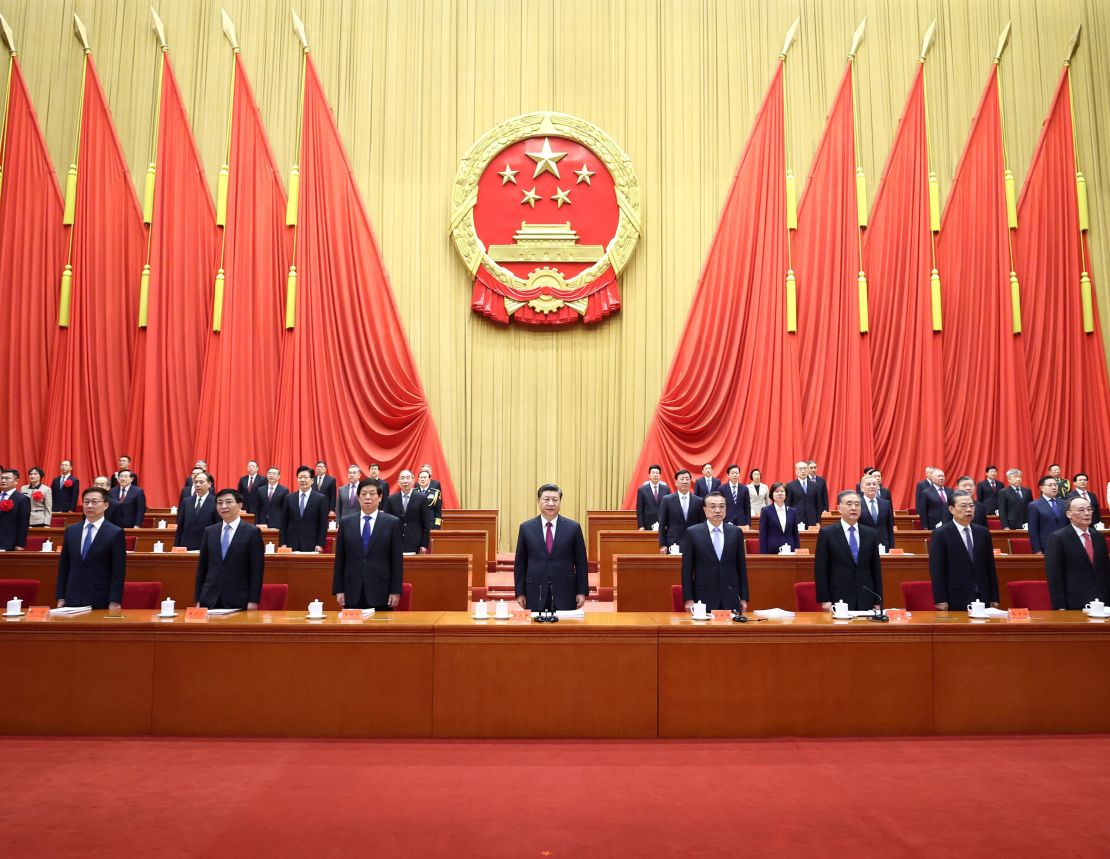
pixel 172 614
pixel 316 617
pixel 1100 616
pixel 701 619
pixel 971 616
pixel 482 617
pixel 17 614
pixel 500 617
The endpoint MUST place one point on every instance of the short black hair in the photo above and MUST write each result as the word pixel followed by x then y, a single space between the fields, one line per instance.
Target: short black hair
pixel 38 469
pixel 715 494
pixel 369 481
pixel 989 467
pixel 751 473
pixel 14 472
pixel 685 471
pixel 305 469
pixel 234 493
pixel 103 493
pixel 1047 478
pixel 548 487
pixel 843 493
pixel 654 467
pixel 953 497
pixel 321 462
pixel 1081 474
pixel 775 487
pixel 126 471
pixel 732 466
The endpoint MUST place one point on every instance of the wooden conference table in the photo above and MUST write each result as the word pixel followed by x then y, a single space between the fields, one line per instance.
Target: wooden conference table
pixel 441 674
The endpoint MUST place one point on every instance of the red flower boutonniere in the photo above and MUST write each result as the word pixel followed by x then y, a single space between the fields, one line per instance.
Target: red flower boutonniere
pixel 6 505
pixel 68 484
pixel 37 495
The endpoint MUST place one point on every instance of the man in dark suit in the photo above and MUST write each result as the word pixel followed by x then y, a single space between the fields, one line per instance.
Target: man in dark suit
pixel 102 482
pixel 802 494
pixel 189 493
pixel 432 483
pixel 678 511
pixel 1046 514
pixel 932 502
pixel 93 563
pixel 1063 485
pixel 324 483
pixel 199 465
pixel 130 507
pixel 412 510
pixel 1075 561
pixel 648 498
pixel 822 489
pixel 434 496
pixel 738 501
pixel 66 489
pixel 876 512
pixel 714 568
pixel 878 475
pixel 967 484
pixel 707 482
pixel 346 496
pixel 369 557
pixel 248 483
pixel 551 557
pixel 374 473
pixel 961 558
pixel 230 568
pixel 196 514
pixel 986 491
pixel 922 486
pixel 846 562
pixel 124 464
pixel 1014 501
pixel 1080 491
pixel 304 516
pixel 15 512
pixel 269 499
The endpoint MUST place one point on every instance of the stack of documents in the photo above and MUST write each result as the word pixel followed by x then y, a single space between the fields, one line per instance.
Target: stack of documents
pixel 773 613
pixel 70 610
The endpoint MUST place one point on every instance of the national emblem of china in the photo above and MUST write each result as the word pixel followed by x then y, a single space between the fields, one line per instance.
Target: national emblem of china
pixel 545 215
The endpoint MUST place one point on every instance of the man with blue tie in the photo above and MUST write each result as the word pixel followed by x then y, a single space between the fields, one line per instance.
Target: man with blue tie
pixel 846 562
pixel 714 567
pixel 876 512
pixel 738 501
pixel 196 513
pixel 229 571
pixel 304 520
pixel 551 557
pixel 802 495
pixel 707 482
pixel 15 512
pixel 369 555
pixel 130 507
pixel 1046 514
pixel 961 558
pixel 679 511
pixel 93 563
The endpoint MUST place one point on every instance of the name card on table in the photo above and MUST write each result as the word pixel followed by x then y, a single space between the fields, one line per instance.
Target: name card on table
pixel 193 613
pixel 801 551
pixel 180 550
pixel 896 551
pixel 1019 614
pixel 285 550
pixel 897 614
pixel 38 612
pixel 349 613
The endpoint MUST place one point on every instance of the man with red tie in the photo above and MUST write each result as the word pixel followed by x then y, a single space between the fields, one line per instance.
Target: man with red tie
pixel 1075 560
pixel 248 483
pixel 551 557
pixel 648 498
pixel 932 502
pixel 1080 491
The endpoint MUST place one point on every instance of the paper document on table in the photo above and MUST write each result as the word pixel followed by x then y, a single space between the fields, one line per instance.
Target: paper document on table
pixel 219 612
pixel 71 610
pixel 570 613
pixel 996 612
pixel 773 613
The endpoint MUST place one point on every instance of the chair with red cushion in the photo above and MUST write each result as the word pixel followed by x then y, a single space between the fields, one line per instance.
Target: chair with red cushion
pixel 677 602
pixel 34 544
pixel 751 545
pixel 129 542
pixel 329 545
pixel 477 594
pixel 1021 546
pixel 994 523
pixel 26 589
pixel 918 596
pixel 406 597
pixel 273 597
pixel 57 521
pixel 1030 594
pixel 141 594
pixel 805 596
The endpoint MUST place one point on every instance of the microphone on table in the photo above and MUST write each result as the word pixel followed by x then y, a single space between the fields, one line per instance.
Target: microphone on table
pixel 880 615
pixel 546 613
pixel 738 612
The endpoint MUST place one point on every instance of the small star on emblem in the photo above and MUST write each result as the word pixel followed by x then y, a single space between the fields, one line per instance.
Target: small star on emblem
pixel 584 175
pixel 546 853
pixel 560 197
pixel 546 160
pixel 530 198
pixel 508 174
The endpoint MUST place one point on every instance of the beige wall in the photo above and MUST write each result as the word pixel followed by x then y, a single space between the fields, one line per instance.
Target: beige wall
pixel 675 82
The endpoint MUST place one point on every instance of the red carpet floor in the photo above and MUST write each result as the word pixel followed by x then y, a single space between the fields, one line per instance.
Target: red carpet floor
pixel 1013 796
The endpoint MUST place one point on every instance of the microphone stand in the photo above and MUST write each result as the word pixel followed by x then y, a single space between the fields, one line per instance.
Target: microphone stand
pixel 880 616
pixel 547 614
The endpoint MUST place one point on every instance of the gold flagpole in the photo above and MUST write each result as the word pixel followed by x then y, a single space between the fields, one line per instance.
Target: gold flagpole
pixel 224 178
pixel 9 40
pixel 1086 299
pixel 934 188
pixel 293 202
pixel 791 192
pixel 861 183
pixel 1011 192
pixel 70 211
pixel 151 169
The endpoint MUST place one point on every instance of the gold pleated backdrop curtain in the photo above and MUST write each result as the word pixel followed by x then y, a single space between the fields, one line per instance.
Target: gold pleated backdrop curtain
pixel 675 82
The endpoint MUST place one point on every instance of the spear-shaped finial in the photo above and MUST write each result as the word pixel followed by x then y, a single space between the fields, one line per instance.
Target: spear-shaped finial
pixel 9 39
pixel 82 33
pixel 160 29
pixel 298 28
pixel 229 30
pixel 1002 40
pixel 1073 43
pixel 927 42
pixel 791 36
pixel 857 39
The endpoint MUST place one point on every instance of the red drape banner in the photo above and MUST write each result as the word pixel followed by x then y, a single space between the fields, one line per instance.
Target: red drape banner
pixel 349 388
pixel 740 401
pixel 905 353
pixel 985 404
pixel 1068 389
pixel 834 361
pixel 86 417
pixel 169 353
pixel 235 421
pixel 32 253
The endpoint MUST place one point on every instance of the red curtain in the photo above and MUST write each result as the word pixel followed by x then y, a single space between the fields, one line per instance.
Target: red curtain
pixel 835 364
pixel 1068 390
pixel 985 400
pixel 740 403
pixel 91 365
pixel 240 388
pixel 905 353
pixel 32 253
pixel 349 388
pixel 169 354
